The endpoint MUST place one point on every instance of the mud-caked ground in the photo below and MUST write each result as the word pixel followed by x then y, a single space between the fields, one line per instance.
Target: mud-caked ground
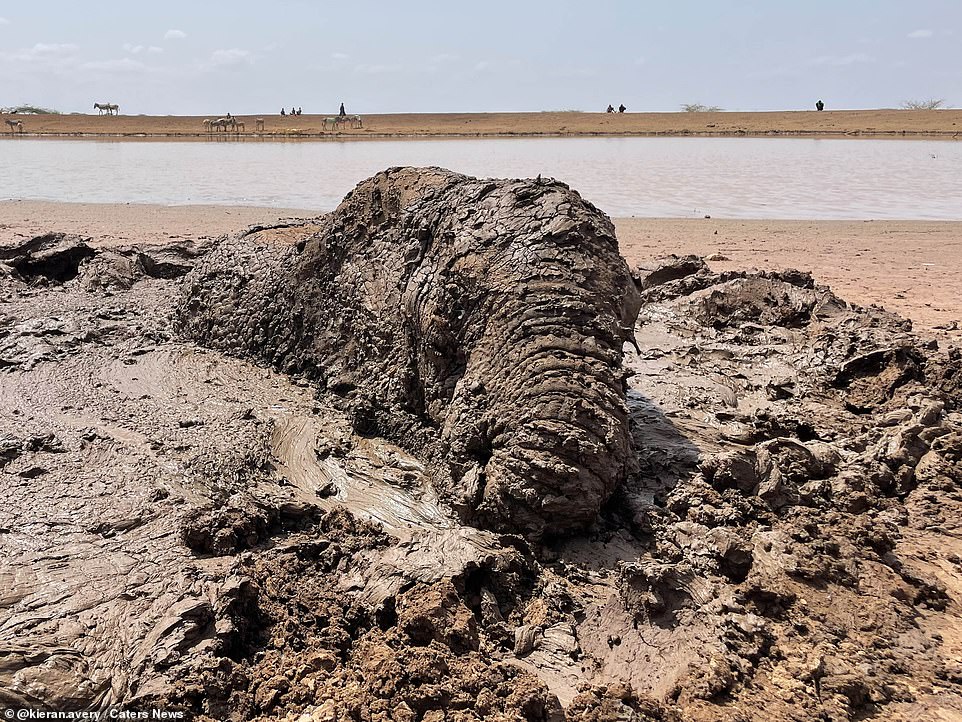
pixel 183 529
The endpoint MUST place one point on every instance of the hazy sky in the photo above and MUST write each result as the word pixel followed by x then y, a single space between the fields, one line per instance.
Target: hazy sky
pixel 214 56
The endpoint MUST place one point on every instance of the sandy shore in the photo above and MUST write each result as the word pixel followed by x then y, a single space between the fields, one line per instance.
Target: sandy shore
pixel 879 123
pixel 128 223
pixel 911 267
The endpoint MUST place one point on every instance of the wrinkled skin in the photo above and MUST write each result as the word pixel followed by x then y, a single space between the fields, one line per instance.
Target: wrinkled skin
pixel 478 322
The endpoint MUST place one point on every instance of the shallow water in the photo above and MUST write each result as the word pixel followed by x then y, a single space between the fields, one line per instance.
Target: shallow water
pixel 660 177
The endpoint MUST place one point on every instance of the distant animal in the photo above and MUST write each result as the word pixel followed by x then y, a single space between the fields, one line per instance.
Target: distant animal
pixel 207 122
pixel 238 125
pixel 355 121
pixel 219 124
pixel 108 108
pixel 259 124
pixel 330 123
pixel 14 125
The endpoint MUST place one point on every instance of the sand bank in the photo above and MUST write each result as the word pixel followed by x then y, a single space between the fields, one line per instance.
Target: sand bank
pixel 911 267
pixel 841 123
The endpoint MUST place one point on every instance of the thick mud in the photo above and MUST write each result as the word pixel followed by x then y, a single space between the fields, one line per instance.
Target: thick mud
pixel 187 529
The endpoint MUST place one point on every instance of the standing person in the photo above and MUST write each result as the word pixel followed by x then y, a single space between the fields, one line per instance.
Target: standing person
pixel 342 112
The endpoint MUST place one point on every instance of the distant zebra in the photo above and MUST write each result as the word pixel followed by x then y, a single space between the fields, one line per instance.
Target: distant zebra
pixel 14 124
pixel 108 108
pixel 259 124
pixel 355 121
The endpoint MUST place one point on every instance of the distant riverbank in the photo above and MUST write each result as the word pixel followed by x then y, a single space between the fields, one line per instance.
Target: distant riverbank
pixel 840 123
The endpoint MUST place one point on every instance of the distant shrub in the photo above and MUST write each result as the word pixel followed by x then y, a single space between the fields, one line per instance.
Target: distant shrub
pixel 30 110
pixel 931 104
pixel 699 108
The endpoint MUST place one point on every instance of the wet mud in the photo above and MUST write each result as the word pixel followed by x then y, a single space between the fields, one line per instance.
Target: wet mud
pixel 196 517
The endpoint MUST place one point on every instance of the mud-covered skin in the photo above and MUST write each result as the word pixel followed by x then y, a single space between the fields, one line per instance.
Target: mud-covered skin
pixel 480 322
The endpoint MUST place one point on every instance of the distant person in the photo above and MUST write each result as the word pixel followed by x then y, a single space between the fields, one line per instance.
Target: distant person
pixel 293 112
pixel 611 109
pixel 298 110
pixel 282 112
pixel 342 112
pixel 819 105
pixel 622 108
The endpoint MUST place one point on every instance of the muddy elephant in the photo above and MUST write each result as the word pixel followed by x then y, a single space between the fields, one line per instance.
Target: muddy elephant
pixel 478 323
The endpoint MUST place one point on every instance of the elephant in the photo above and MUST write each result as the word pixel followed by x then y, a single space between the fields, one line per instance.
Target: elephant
pixel 480 324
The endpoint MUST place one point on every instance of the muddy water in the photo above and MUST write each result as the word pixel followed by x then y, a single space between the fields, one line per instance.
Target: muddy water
pixel 659 177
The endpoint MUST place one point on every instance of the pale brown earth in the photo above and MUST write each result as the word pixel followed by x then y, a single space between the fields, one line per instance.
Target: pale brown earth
pixel 911 267
pixel 873 123
pixel 129 223
pixel 183 528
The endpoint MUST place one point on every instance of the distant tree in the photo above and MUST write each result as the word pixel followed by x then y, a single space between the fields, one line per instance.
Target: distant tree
pixel 931 104
pixel 699 108
pixel 30 110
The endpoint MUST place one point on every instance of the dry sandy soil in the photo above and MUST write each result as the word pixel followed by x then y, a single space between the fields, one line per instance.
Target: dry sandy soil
pixel 881 123
pixel 911 267
pixel 185 528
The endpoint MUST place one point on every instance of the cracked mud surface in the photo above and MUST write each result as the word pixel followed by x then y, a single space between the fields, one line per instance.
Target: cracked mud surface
pixel 191 529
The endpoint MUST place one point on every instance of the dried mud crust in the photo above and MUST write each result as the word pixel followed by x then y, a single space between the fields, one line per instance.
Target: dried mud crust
pixel 478 322
pixel 803 435
pixel 184 529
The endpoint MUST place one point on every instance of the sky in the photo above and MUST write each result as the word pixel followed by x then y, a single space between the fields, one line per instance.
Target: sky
pixel 180 57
